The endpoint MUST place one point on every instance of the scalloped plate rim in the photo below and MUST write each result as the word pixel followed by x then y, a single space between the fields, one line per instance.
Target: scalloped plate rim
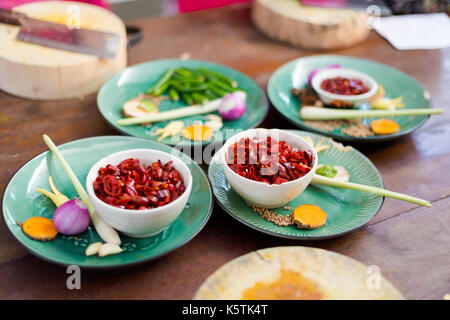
pixel 342 137
pixel 293 237
pixel 184 142
pixel 112 266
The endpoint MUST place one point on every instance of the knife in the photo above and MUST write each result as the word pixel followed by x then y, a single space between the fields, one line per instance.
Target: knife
pixel 360 5
pixel 59 36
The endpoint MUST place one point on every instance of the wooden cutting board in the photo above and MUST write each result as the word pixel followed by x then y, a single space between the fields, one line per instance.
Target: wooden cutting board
pixel 308 27
pixel 320 274
pixel 36 72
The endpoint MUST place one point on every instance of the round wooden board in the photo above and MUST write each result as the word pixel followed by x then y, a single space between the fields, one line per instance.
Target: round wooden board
pixel 336 276
pixel 36 72
pixel 308 27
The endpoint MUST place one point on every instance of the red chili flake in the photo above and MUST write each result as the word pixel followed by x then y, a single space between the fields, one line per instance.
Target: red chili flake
pixel 344 86
pixel 132 185
pixel 268 160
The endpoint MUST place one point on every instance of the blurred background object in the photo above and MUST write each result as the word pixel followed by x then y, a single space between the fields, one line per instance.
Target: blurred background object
pixel 194 5
pixel 418 6
pixel 137 9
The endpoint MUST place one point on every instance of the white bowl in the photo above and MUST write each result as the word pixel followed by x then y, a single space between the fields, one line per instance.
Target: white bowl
pixel 140 223
pixel 328 97
pixel 262 194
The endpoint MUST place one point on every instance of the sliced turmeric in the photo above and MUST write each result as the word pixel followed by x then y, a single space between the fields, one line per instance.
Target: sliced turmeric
pixel 384 126
pixel 39 228
pixel 309 216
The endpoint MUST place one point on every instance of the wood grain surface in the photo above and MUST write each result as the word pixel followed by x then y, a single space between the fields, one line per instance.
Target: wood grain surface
pixel 410 244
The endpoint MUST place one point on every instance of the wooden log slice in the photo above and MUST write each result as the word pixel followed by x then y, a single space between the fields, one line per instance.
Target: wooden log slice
pixel 36 72
pixel 308 27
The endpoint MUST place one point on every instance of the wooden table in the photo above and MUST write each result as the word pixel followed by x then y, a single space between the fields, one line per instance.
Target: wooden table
pixel 410 244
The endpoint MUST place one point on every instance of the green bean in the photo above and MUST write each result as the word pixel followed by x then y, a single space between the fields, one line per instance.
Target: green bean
pixel 187 98
pixel 164 79
pixel 174 96
pixel 220 76
pixel 199 98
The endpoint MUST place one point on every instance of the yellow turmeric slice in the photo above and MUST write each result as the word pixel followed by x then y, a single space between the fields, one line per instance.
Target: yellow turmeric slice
pixel 197 132
pixel 39 228
pixel 308 216
pixel 384 126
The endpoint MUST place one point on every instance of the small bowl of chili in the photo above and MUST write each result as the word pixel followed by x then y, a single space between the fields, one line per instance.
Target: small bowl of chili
pixel 343 88
pixel 139 192
pixel 268 167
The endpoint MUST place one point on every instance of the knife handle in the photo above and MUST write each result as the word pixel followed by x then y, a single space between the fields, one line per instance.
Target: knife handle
pixel 11 17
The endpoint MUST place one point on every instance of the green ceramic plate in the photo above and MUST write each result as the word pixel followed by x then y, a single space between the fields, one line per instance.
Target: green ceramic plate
pixel 21 202
pixel 136 79
pixel 346 210
pixel 396 83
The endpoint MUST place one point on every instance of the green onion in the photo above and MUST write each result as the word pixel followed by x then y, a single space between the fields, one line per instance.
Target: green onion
pixel 321 180
pixel 105 231
pixel 210 106
pixel 314 113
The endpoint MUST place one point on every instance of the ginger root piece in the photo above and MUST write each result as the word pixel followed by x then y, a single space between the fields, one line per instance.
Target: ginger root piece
pixel 309 216
pixel 39 228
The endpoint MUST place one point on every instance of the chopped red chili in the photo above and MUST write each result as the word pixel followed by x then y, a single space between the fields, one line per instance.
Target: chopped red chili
pixel 132 185
pixel 268 160
pixel 344 86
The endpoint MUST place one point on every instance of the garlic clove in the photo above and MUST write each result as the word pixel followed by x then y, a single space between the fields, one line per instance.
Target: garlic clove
pixel 93 248
pixel 108 249
pixel 214 125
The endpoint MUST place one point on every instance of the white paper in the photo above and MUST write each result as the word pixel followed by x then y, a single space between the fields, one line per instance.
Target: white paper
pixel 416 31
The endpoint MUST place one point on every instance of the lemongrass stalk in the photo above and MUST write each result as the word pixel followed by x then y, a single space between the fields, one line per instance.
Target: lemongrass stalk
pixel 321 180
pixel 105 231
pixel 173 114
pixel 314 113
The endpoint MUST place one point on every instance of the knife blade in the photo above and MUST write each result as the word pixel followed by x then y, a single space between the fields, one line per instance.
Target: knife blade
pixel 360 5
pixel 59 36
